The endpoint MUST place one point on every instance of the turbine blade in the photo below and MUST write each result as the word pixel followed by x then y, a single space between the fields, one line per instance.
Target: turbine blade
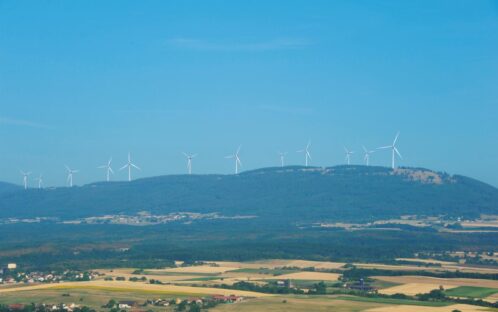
pixel 124 167
pixel 135 166
pixel 384 147
pixel 396 138
pixel 397 152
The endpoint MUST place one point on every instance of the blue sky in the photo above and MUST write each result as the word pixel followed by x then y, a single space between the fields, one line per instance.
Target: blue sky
pixel 84 80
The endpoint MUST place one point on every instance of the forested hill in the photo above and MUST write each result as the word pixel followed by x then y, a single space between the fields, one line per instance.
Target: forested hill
pixel 290 194
pixel 8 187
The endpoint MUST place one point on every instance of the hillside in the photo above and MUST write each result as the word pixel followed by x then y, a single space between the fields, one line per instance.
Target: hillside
pixel 8 187
pixel 289 194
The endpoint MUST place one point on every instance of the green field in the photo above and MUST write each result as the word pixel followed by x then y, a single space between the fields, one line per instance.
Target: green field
pixel 471 292
pixel 396 301
pixel 94 298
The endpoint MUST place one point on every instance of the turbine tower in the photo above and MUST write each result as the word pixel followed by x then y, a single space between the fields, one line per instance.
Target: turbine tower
pixel 70 173
pixel 393 149
pixel 129 165
pixel 237 159
pixel 189 161
pixel 367 155
pixel 108 169
pixel 25 176
pixel 348 155
pixel 282 158
pixel 40 181
pixel 307 154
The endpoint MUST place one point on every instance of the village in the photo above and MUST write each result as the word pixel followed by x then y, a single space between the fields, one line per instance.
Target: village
pixel 11 274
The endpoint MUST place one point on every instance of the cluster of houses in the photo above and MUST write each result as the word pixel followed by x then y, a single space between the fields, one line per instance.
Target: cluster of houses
pixel 198 300
pixel 10 274
pixel 46 307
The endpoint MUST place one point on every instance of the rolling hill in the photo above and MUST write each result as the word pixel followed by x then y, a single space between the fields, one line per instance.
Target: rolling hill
pixel 289 194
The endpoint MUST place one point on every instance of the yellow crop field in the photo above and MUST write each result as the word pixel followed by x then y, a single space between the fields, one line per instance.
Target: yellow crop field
pixel 202 269
pixel 312 276
pixel 410 308
pixel 427 261
pixel 274 263
pixel 139 287
pixel 439 281
pixel 413 288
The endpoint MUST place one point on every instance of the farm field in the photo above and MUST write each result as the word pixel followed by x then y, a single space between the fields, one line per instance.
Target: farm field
pixel 413 288
pixel 450 308
pixel 472 292
pixel 125 286
pixel 205 279
pixel 439 281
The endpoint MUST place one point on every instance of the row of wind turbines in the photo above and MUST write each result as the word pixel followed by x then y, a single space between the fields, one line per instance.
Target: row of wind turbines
pixel 236 158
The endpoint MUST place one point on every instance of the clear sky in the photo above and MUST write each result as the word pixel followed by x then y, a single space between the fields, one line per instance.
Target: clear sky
pixel 84 80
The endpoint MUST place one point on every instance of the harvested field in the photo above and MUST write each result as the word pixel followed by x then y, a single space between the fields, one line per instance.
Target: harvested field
pixel 201 269
pixel 314 276
pixel 138 287
pixel 127 273
pixel 413 288
pixel 291 304
pixel 427 261
pixel 408 308
pixel 439 281
pixel 275 263
pixel 444 267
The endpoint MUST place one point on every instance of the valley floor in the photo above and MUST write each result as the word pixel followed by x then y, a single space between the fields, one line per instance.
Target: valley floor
pixel 208 280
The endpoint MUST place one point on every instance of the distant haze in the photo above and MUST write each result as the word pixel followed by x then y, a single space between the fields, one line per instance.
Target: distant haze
pixel 81 81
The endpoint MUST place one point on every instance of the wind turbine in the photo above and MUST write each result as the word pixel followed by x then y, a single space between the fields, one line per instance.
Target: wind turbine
pixel 393 149
pixel 237 159
pixel 70 173
pixel 40 181
pixel 367 155
pixel 128 165
pixel 107 168
pixel 348 155
pixel 307 154
pixel 25 176
pixel 282 158
pixel 189 161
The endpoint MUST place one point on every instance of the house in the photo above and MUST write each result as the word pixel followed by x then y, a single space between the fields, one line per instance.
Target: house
pixel 127 304
pixel 16 306
pixel 227 299
pixel 361 286
pixel 196 300
pixel 285 283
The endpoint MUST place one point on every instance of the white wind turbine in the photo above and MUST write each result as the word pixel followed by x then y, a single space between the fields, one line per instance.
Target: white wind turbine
pixel 237 159
pixel 108 169
pixel 25 176
pixel 40 181
pixel 307 154
pixel 129 165
pixel 348 155
pixel 367 155
pixel 282 158
pixel 70 173
pixel 189 161
pixel 393 149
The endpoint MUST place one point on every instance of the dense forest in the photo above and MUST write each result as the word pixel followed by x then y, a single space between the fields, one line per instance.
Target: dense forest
pixel 286 202
pixel 289 194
